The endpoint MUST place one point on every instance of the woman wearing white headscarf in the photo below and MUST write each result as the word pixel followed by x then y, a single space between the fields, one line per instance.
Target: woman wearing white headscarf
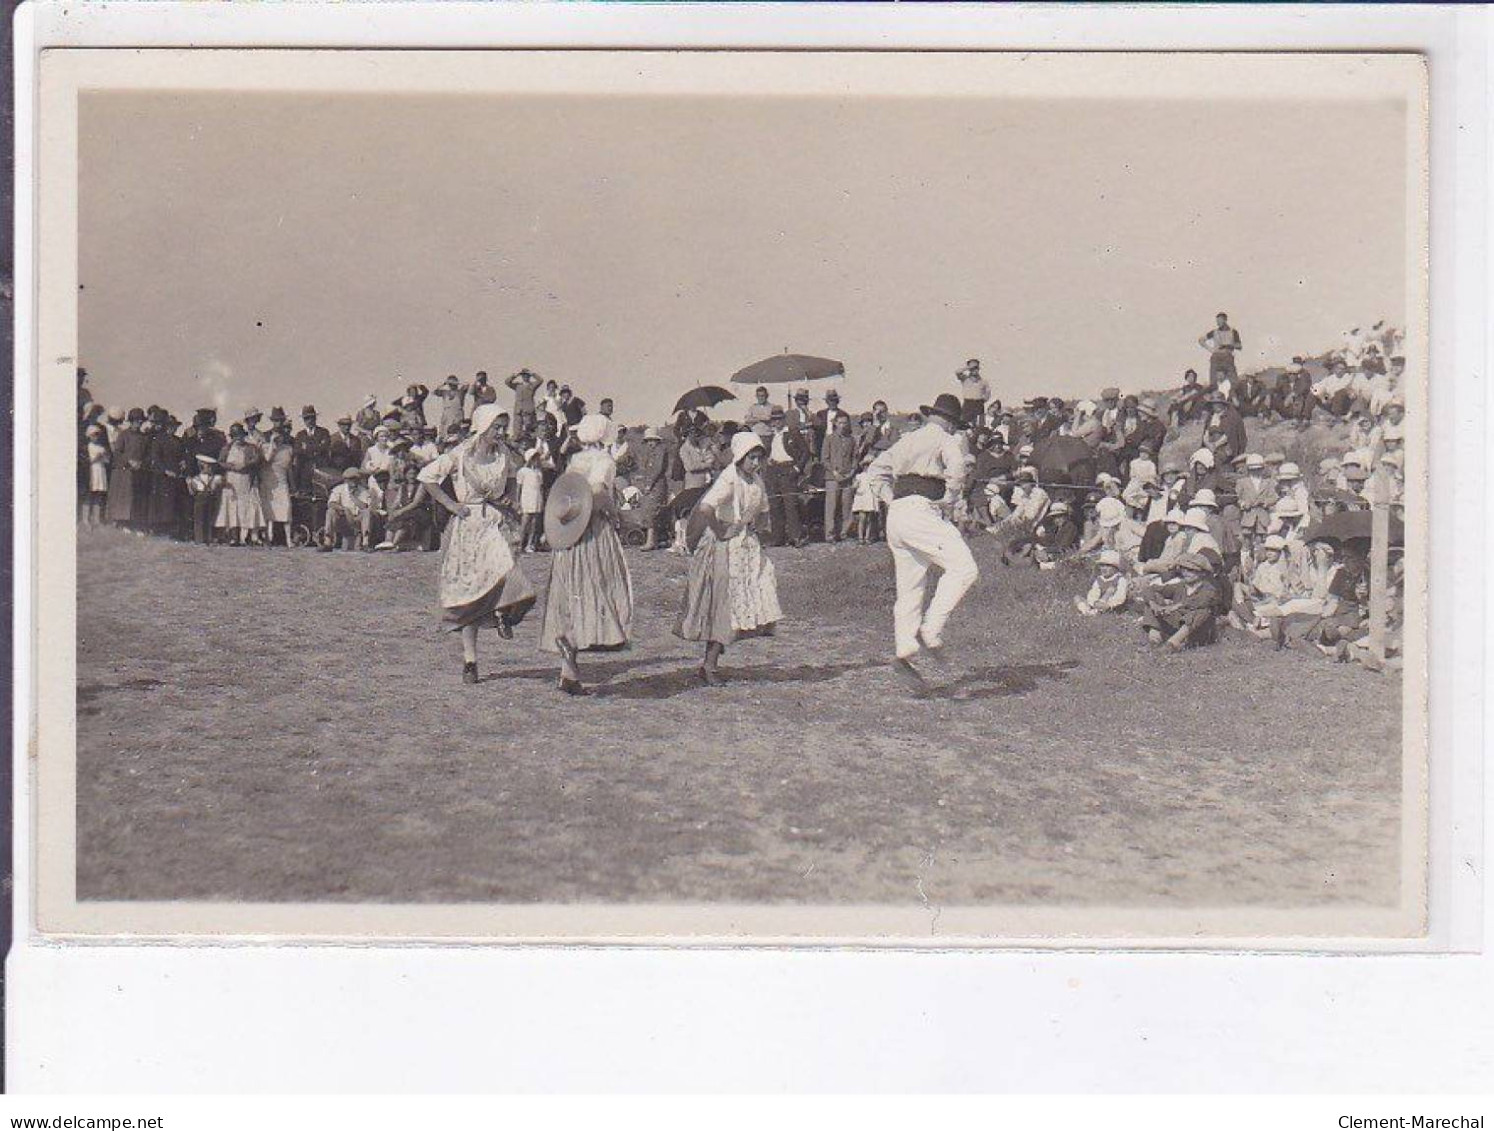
pixel 589 605
pixel 732 591
pixel 481 584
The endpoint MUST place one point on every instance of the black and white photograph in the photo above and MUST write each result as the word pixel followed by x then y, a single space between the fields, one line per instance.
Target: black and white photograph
pixel 649 495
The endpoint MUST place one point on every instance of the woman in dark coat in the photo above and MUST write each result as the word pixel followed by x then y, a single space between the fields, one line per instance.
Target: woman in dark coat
pixel 129 477
pixel 166 480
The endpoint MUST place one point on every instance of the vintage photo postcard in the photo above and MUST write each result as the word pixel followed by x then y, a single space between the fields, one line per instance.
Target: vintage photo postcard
pixel 955 498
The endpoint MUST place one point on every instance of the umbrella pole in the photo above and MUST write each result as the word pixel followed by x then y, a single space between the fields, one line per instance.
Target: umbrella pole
pixel 1379 568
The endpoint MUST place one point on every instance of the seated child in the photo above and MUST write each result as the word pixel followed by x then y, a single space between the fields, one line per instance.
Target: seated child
pixel 1109 591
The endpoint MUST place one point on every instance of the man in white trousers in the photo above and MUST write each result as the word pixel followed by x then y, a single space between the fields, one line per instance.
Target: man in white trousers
pixel 925 471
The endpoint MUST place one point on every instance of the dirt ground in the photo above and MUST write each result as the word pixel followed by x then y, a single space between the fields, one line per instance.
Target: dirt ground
pixel 285 725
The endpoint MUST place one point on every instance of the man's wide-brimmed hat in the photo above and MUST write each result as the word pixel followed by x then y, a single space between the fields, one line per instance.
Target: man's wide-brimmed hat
pixel 568 510
pixel 946 405
pixel 308 410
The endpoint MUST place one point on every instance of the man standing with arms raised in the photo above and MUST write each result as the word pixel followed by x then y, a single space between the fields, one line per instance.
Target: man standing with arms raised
pixel 925 471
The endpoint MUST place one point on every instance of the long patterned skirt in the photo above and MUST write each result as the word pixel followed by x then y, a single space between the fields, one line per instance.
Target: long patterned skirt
pixel 590 600
pixel 732 591
pixel 480 581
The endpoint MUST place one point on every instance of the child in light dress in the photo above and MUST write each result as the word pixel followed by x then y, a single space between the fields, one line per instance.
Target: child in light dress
pixel 864 504
pixel 98 476
pixel 531 482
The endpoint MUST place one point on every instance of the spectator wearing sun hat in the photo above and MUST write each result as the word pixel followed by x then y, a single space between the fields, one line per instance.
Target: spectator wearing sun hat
pixel 1226 540
pixel 380 453
pixel 1393 464
pixel 1114 530
pixel 651 477
pixel 1289 520
pixel 1174 532
pixel 1109 590
pixel 1265 584
pixel 1196 521
pixel 1255 495
pixel 1057 535
pixel 1202 473
pixel 1224 417
pixel 1289 482
pixel 1030 502
pixel 1181 613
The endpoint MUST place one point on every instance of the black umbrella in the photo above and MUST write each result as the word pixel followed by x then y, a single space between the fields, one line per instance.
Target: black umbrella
pixel 702 396
pixel 1064 459
pixel 788 368
pixel 683 503
pixel 1353 526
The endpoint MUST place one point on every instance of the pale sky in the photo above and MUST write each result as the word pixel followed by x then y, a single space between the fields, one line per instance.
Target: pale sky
pixel 280 248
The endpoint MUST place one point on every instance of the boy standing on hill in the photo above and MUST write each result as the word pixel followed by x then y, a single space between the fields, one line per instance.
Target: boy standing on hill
pixel 1222 342
pixel 974 392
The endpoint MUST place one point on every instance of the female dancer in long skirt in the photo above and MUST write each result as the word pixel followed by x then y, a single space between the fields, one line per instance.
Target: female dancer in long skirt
pixel 589 605
pixel 732 590
pixel 481 584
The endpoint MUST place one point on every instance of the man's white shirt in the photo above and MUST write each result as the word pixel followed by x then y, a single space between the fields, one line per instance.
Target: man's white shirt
pixel 929 451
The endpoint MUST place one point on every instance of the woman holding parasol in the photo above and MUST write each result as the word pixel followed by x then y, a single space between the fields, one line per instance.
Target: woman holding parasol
pixel 481 584
pixel 732 591
pixel 589 605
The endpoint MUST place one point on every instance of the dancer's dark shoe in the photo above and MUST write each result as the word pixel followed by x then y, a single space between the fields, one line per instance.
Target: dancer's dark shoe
pixel 910 677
